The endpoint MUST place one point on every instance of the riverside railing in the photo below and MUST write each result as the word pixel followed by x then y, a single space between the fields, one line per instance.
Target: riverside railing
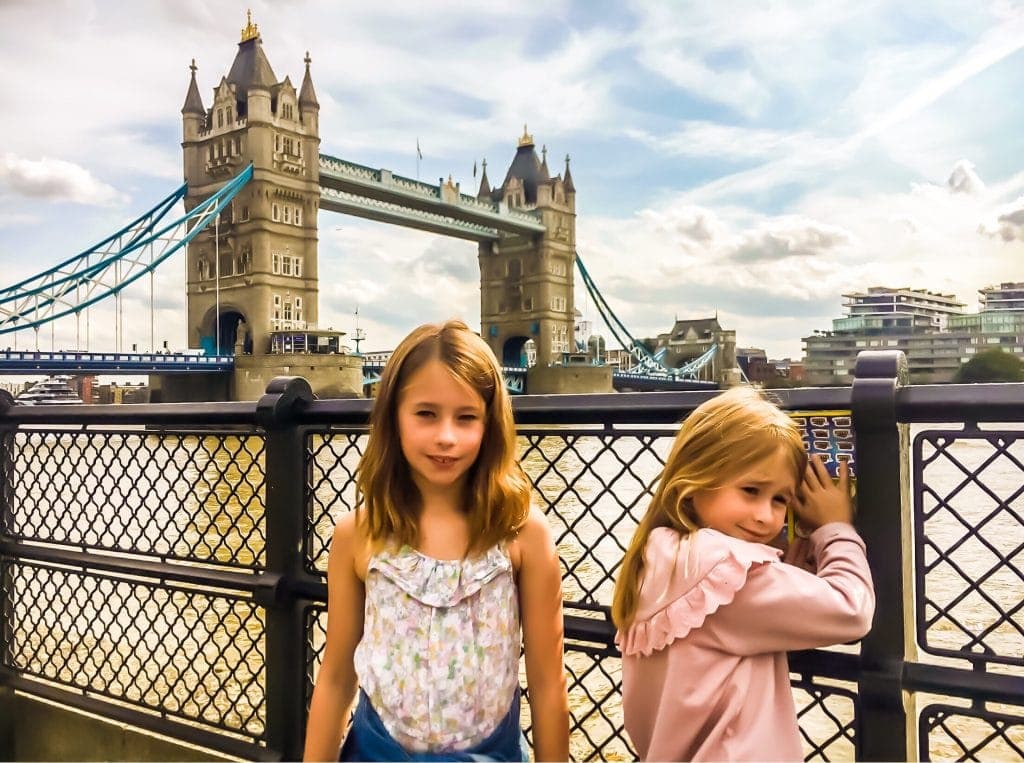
pixel 162 565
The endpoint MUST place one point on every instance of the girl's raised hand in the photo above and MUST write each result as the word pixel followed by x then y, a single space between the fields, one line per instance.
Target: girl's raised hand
pixel 821 500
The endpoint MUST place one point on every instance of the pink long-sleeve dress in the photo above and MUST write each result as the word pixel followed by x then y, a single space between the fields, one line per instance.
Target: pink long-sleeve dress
pixel 704 668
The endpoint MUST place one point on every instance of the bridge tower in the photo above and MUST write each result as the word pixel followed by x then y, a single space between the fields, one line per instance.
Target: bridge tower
pixel 256 270
pixel 526 281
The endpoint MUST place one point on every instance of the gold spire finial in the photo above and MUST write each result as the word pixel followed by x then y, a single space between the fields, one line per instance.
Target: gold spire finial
pixel 527 139
pixel 251 31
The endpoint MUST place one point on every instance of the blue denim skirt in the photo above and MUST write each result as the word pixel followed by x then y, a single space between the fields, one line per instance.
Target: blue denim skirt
pixel 368 739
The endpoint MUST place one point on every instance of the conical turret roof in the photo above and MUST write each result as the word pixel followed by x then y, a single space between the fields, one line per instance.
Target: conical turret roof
pixel 526 166
pixel 193 100
pixel 485 187
pixel 307 96
pixel 251 67
pixel 569 187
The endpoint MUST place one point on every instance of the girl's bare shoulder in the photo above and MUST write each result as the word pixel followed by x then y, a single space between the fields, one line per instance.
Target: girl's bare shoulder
pixel 351 541
pixel 533 541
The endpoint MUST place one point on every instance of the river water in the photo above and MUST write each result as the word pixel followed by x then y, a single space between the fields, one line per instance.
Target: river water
pixel 201 494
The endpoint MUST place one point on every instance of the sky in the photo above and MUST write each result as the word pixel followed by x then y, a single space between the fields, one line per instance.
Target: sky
pixel 749 160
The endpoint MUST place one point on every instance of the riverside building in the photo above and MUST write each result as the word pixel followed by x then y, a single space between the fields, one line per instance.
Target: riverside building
pixel 932 329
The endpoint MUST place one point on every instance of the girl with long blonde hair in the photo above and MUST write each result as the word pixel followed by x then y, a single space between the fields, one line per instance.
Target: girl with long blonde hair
pixel 441 576
pixel 706 609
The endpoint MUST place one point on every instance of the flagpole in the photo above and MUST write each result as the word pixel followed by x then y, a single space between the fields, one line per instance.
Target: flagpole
pixel 419 155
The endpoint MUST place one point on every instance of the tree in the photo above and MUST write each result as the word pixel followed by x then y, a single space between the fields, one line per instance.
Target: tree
pixel 991 366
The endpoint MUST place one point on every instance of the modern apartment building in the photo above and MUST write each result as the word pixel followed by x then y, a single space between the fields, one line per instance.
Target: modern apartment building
pixel 932 329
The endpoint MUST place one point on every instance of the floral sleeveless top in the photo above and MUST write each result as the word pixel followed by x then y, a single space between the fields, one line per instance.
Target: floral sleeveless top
pixel 439 656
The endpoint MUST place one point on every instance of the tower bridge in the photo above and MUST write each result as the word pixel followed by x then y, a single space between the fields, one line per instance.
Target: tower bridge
pixel 255 180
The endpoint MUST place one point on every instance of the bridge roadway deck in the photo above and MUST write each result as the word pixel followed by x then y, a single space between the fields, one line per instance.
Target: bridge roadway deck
pixel 378 194
pixel 112 363
pixel 132 363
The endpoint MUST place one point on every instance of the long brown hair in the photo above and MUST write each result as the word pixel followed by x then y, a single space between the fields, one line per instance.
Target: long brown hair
pixel 719 441
pixel 497 496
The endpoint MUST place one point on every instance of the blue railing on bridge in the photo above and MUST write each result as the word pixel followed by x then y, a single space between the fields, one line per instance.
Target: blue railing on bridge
pixel 112 363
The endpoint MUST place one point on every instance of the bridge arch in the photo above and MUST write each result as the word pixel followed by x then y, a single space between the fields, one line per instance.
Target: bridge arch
pixel 518 352
pixel 226 332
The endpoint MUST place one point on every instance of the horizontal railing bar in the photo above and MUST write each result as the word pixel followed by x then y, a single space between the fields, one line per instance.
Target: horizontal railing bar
pixel 960 402
pixel 173 414
pixel 624 407
pixel 820 663
pixel 914 403
pixel 153 722
pixel 960 682
pixel 262 583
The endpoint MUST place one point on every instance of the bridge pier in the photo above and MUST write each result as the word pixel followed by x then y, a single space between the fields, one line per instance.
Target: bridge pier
pixel 330 376
pixel 189 388
pixel 564 380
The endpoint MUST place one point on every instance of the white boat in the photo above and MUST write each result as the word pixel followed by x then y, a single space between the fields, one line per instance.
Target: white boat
pixel 54 390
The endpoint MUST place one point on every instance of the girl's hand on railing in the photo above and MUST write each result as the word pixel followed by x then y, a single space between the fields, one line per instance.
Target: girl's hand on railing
pixel 821 500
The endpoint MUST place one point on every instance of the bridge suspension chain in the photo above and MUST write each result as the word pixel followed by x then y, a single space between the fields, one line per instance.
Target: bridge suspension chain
pixel 647 362
pixel 105 269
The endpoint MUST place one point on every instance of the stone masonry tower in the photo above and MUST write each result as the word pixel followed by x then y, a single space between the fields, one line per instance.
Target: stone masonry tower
pixel 526 282
pixel 256 271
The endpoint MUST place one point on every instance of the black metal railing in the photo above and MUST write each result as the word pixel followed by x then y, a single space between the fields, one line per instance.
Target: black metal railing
pixel 163 565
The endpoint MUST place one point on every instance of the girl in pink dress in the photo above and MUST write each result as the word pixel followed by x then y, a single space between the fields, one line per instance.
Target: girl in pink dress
pixel 441 577
pixel 705 607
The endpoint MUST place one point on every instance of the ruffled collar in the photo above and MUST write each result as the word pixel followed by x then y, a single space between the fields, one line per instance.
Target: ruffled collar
pixel 439 582
pixel 685 579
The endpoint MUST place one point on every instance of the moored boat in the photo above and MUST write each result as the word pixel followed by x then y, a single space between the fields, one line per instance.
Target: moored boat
pixel 54 390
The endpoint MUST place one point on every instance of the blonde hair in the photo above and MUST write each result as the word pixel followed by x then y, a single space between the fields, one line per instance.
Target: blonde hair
pixel 497 495
pixel 719 441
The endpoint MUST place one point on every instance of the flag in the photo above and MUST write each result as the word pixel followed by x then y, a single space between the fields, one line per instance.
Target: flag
pixel 419 154
pixel 474 168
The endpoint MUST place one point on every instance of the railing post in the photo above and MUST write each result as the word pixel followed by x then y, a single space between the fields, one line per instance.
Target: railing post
pixel 7 630
pixel 285 523
pixel 887 728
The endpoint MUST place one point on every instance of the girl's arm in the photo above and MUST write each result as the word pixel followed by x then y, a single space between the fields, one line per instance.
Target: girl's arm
pixel 827 598
pixel 336 682
pixel 781 607
pixel 540 604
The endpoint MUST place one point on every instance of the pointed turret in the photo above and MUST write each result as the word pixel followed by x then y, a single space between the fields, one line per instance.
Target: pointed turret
pixel 545 175
pixel 485 187
pixel 526 167
pixel 307 96
pixel 569 187
pixel 251 67
pixel 193 100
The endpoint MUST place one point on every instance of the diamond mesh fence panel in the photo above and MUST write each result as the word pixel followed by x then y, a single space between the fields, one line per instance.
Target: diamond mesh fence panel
pixel 190 497
pixel 949 732
pixel 969 540
pixel 826 711
pixel 192 655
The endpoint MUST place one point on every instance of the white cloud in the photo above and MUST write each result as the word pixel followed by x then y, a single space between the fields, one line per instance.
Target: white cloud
pixel 1009 222
pixel 55 180
pixel 790 237
pixel 964 178
pixel 704 139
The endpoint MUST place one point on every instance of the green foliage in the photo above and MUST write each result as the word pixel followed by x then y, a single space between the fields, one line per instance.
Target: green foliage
pixel 991 366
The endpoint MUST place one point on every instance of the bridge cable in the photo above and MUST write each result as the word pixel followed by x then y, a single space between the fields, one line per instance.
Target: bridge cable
pixel 41 299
